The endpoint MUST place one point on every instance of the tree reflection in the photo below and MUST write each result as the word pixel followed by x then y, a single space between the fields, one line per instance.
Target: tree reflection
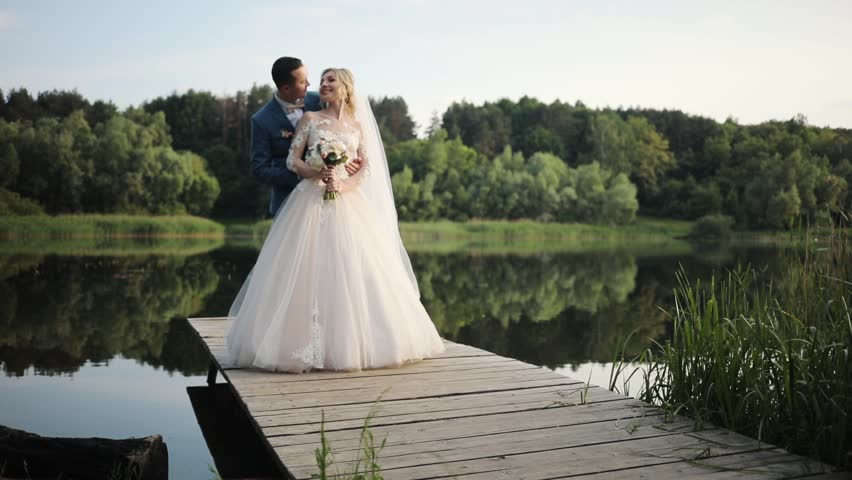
pixel 564 308
pixel 59 312
pixel 546 309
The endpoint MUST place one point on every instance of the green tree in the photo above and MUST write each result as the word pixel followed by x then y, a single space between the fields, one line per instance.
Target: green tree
pixel 202 190
pixel 10 163
pixel 393 119
pixel 487 129
pixel 650 158
pixel 406 194
pixel 632 147
pixel 596 195
pixel 12 203
pixel 60 103
pixel 843 171
pixel 431 130
pixel 612 140
pixel 783 208
pixel 100 112
pixel 192 117
pixel 53 164
pixel 21 106
pixel 540 139
pixel 688 199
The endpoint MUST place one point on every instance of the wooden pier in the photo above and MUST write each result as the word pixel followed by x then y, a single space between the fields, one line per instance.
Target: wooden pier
pixel 475 415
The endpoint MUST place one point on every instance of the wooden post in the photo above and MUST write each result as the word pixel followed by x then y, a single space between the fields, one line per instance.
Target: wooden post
pixel 211 373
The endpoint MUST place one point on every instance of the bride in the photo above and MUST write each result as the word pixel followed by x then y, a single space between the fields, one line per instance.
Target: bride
pixel 333 287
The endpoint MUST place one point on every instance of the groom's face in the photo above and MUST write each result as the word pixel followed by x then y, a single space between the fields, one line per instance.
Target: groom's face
pixel 298 88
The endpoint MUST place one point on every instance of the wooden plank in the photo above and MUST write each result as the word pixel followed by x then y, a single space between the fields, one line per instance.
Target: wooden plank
pixel 406 426
pixel 407 411
pixel 399 455
pixel 403 375
pixel 501 376
pixel 562 462
pixel 622 412
pixel 581 460
pixel 247 376
pixel 772 463
pixel 329 399
pixel 460 450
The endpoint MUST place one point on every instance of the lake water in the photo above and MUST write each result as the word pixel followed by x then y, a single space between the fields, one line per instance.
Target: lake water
pixel 93 340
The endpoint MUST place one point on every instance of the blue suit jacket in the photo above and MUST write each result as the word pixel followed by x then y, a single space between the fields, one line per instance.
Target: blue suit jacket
pixel 271 136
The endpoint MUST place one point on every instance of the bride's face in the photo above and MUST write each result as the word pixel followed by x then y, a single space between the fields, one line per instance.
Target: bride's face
pixel 330 88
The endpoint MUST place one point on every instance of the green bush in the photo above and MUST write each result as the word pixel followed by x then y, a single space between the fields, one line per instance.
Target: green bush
pixel 13 204
pixel 712 227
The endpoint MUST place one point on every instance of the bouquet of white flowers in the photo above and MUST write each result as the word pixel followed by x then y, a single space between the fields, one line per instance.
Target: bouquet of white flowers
pixel 328 152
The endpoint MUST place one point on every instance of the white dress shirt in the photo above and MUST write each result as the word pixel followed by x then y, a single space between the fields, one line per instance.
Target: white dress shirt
pixel 293 116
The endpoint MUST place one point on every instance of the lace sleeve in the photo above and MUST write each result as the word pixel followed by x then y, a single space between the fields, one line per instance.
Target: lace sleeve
pixel 364 172
pixel 297 147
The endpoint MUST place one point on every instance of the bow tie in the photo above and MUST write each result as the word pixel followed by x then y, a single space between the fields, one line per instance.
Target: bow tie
pixel 299 105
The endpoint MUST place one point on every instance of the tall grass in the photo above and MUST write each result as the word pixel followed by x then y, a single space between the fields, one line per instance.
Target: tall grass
pixel 769 359
pixel 366 464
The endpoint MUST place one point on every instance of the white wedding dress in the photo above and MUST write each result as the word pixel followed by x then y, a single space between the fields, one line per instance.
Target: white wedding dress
pixel 332 287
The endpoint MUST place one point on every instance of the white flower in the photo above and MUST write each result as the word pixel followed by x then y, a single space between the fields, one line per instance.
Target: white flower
pixel 325 147
pixel 331 146
pixel 314 160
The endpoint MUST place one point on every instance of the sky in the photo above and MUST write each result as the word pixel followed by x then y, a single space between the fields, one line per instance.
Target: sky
pixel 752 60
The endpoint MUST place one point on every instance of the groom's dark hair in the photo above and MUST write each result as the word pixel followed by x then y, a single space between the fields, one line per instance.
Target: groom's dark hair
pixel 282 70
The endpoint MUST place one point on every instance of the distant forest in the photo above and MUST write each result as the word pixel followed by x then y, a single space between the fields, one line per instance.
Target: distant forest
pixel 188 153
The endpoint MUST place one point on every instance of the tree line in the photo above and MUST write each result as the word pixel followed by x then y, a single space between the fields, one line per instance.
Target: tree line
pixel 61 154
pixel 189 152
pixel 774 174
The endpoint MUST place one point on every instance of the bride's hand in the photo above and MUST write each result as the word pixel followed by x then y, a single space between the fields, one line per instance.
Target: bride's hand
pixel 333 185
pixel 353 166
pixel 327 174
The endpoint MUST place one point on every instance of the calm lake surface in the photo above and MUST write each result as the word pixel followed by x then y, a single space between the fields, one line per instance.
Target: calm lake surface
pixel 93 340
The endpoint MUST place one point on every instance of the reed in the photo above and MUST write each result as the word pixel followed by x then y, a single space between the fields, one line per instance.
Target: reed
pixel 768 358
pixel 366 464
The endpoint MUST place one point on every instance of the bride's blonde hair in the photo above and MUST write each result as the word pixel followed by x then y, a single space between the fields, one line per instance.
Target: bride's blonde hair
pixel 344 76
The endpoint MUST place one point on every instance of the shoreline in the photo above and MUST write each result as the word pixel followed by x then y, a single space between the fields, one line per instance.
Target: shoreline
pixel 121 226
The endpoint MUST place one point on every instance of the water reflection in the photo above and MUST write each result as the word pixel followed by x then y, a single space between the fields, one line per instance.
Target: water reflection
pixel 546 309
pixel 564 308
pixel 57 312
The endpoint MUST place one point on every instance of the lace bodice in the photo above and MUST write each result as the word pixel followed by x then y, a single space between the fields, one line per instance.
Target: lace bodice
pixel 317 129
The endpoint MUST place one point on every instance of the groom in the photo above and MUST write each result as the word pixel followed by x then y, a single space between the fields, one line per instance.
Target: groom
pixel 273 126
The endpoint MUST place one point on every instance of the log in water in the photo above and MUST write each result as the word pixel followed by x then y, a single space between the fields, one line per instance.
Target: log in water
pixel 26 455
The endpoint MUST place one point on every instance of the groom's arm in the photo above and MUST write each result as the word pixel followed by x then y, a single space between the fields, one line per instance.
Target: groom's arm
pixel 266 168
